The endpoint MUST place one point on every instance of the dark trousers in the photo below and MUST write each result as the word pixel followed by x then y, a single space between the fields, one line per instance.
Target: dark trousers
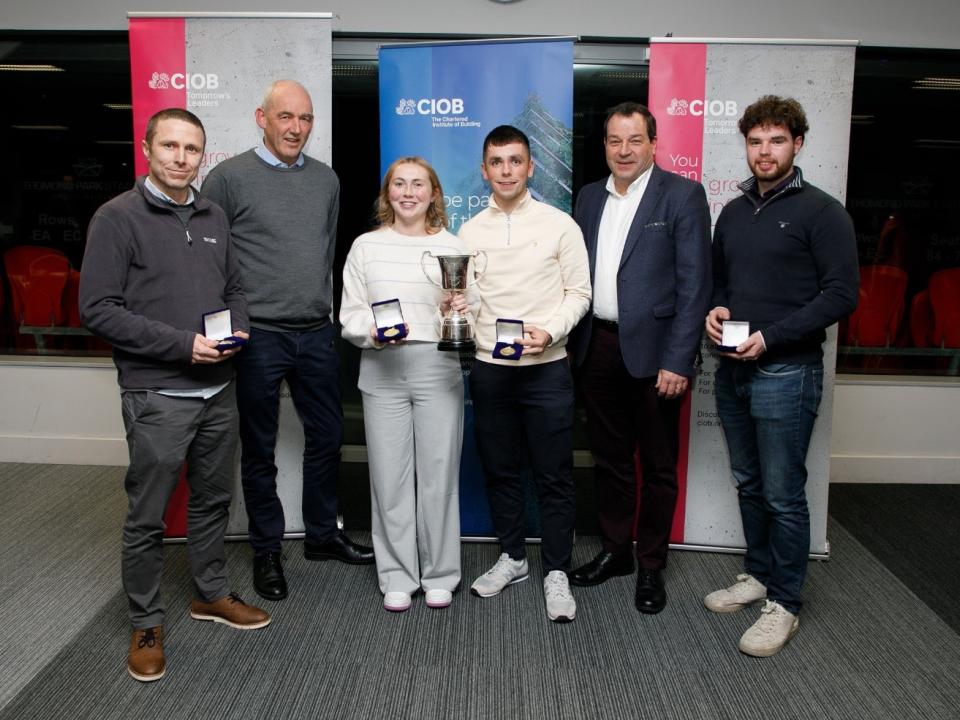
pixel 308 361
pixel 527 411
pixel 625 414
pixel 162 432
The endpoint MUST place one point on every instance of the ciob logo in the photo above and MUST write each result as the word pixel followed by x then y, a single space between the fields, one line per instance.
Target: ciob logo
pixel 184 81
pixel 712 108
pixel 430 106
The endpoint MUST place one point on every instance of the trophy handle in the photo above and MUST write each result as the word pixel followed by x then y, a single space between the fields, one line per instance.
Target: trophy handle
pixel 427 253
pixel 478 271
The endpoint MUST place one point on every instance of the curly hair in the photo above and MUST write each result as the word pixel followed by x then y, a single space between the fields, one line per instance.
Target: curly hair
pixel 775 110
pixel 436 212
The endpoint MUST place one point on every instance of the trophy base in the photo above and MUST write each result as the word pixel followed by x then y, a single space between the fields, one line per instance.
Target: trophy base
pixel 462 346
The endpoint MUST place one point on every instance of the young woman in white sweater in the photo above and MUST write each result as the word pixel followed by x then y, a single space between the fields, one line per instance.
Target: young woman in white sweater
pixel 412 393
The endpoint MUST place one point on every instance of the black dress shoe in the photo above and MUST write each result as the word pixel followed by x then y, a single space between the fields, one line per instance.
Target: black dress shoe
pixel 603 567
pixel 339 548
pixel 268 578
pixel 651 595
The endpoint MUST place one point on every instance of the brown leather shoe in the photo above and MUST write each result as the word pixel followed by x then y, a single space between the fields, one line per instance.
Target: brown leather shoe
pixel 232 611
pixel 145 661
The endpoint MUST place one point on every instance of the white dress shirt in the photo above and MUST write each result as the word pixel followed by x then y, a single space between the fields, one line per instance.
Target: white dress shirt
pixel 618 213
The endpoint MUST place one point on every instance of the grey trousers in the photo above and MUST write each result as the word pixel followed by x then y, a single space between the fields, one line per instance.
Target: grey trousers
pixel 162 432
pixel 413 417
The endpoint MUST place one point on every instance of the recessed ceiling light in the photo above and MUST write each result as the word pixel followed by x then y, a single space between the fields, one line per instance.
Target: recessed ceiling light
pixel 29 68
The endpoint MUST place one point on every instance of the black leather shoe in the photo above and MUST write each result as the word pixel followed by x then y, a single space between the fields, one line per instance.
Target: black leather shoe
pixel 603 567
pixel 651 595
pixel 339 548
pixel 268 579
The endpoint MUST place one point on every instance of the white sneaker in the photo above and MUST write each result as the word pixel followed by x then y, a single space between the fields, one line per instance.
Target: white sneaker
pixel 396 601
pixel 438 598
pixel 745 591
pixel 561 607
pixel 504 572
pixel 770 633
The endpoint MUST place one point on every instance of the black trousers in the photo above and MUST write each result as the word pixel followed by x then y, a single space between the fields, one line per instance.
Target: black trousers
pixel 527 410
pixel 624 415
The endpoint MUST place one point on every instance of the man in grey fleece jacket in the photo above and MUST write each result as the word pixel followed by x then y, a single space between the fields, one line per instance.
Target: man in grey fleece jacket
pixel 282 206
pixel 158 257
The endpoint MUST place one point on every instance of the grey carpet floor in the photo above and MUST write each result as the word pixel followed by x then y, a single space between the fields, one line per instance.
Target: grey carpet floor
pixel 914 530
pixel 867 648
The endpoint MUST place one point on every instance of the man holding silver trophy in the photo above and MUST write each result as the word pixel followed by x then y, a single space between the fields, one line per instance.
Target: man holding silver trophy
pixel 535 288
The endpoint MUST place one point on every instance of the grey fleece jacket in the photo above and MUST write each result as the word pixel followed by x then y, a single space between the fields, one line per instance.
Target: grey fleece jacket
pixel 146 281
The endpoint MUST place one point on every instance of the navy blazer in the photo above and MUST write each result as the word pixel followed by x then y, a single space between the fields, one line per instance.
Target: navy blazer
pixel 664 280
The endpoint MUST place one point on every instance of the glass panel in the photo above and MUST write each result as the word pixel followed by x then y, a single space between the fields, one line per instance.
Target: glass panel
pixel 68 150
pixel 904 148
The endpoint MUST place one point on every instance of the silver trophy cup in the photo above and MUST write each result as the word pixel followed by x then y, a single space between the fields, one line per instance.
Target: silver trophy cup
pixel 456 329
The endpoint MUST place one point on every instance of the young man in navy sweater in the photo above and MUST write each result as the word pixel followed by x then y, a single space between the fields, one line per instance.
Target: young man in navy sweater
pixel 784 260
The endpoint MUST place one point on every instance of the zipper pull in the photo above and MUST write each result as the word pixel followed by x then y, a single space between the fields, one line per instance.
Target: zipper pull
pixel 189 239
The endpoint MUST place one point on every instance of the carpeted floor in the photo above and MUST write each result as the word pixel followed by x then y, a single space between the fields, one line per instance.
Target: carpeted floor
pixel 914 530
pixel 868 646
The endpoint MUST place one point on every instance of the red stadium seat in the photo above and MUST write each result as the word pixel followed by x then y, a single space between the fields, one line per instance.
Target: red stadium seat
pixel 944 289
pixel 875 321
pixel 37 278
pixel 71 300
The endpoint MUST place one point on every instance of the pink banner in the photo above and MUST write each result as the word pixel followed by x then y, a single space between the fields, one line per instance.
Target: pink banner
pixel 678 77
pixel 677 80
pixel 158 66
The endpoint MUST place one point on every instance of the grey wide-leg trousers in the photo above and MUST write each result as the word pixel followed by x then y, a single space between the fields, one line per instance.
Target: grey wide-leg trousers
pixel 413 417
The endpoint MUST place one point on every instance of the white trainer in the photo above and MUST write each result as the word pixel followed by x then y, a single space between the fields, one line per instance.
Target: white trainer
pixel 504 572
pixel 561 607
pixel 770 633
pixel 745 591
pixel 396 601
pixel 438 598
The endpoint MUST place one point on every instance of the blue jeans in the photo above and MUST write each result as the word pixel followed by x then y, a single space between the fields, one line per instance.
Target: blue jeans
pixel 308 361
pixel 768 413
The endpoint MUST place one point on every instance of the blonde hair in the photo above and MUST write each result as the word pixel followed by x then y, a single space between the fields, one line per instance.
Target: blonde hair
pixel 436 212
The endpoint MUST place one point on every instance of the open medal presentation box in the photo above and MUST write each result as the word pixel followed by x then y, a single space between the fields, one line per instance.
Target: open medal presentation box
pixel 389 320
pixel 507 333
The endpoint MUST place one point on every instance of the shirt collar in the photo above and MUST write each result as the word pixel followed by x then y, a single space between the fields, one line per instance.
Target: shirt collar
pixel 271 159
pixel 158 193
pixel 752 187
pixel 640 181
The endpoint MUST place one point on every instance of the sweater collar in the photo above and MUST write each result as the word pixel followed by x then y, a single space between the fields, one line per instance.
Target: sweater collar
pixel 524 203
pixel 750 186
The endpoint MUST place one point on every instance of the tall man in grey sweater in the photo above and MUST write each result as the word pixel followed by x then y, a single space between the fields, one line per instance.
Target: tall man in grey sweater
pixel 282 206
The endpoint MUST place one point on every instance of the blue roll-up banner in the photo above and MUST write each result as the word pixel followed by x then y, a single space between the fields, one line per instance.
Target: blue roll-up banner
pixel 439 101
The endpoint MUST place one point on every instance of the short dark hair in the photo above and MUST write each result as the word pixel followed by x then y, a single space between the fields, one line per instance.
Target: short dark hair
pixel 626 109
pixel 505 135
pixel 172 113
pixel 775 110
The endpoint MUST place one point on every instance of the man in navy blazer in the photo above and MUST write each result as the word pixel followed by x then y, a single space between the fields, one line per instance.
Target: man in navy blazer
pixel 648 237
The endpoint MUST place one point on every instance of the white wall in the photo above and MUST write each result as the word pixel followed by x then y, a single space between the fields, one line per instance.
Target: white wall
pixel 895 430
pixel 884 430
pixel 922 23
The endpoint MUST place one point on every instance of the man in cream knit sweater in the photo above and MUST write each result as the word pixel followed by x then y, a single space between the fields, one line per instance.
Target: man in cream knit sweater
pixel 537 272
